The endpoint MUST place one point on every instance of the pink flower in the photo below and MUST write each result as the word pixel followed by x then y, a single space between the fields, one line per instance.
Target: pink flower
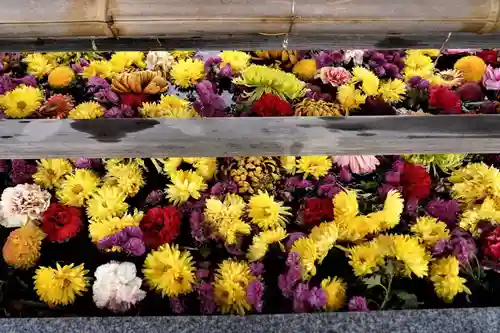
pixel 358 164
pixel 336 76
pixel 491 79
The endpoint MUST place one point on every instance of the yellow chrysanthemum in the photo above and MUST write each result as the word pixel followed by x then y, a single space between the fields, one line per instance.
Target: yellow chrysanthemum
pixel 187 73
pixel 472 67
pixel 289 163
pixel 324 237
pixel 308 253
pixel 430 52
pixel 418 64
pixel 268 80
pixel 316 166
pixel 107 202
pixel 305 69
pixel 169 271
pixel 238 60
pixel 21 102
pixel 78 187
pixel 445 162
pixel 369 81
pixel 87 110
pixel 366 258
pixel 50 172
pixel 21 250
pixel 100 68
pixel 185 185
pixel 204 166
pixel 126 176
pixel 60 285
pixel 335 290
pixel 411 253
pixel 486 211
pixel 98 229
pixel 170 106
pixel 261 242
pixel 447 282
pixel 61 77
pixel 450 78
pixel 225 217
pixel 38 64
pixel 121 60
pixel 392 91
pixel 430 230
pixel 349 97
pixel 231 281
pixel 265 212
pixel 181 54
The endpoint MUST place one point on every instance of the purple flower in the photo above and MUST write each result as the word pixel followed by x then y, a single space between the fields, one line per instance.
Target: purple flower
pixel 154 197
pixel 226 71
pixel 292 237
pixel 6 84
pixel 491 79
pixel 345 175
pixel 288 281
pixel 301 297
pixel 87 163
pixel 209 103
pixel 358 304
pixel 444 210
pixel 28 80
pixel 460 244
pixel 223 188
pixel 211 62
pixel 107 96
pixel 135 247
pixel 317 298
pixel 128 239
pixel 177 305
pixel 206 297
pixel 21 172
pixel 257 268
pixel 95 84
pixel 418 82
pixel 78 66
pixel 255 292
pixel 328 58
pixel 196 223
pixel 122 111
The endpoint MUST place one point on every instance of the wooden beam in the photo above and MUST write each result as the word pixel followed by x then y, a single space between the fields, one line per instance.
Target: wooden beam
pixel 248 136
pixel 296 41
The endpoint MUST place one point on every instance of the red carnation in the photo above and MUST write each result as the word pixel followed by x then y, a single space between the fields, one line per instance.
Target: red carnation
pixel 61 222
pixel 161 225
pixel 416 182
pixel 491 246
pixel 488 56
pixel 270 105
pixel 317 210
pixel 133 100
pixel 443 98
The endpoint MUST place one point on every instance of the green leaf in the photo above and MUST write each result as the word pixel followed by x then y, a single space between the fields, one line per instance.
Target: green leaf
pixel 410 301
pixel 373 281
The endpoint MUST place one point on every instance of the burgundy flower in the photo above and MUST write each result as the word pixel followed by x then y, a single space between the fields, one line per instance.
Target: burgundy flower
pixel 491 244
pixel 358 304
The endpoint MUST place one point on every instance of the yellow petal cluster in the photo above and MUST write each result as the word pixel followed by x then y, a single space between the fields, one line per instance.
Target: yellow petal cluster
pixel 261 242
pixel 87 110
pixel 21 102
pixel 169 271
pixel 185 185
pixel 51 172
pixel 204 166
pixel 335 290
pixel 22 248
pixel 76 188
pixel 238 60
pixel 187 73
pixel 447 282
pixel 316 166
pixel 225 217
pixel 169 106
pixel 267 213
pixel 429 230
pixel 107 202
pixel 100 228
pixel 127 176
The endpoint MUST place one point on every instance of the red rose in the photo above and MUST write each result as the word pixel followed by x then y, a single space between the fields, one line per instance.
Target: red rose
pixel 161 225
pixel 443 98
pixel 317 210
pixel 488 56
pixel 416 182
pixel 491 245
pixel 61 222
pixel 270 105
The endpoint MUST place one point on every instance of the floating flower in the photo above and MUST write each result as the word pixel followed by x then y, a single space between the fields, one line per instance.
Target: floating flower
pixel 51 172
pixel 161 61
pixel 359 164
pixel 57 106
pixel 60 285
pixel 430 230
pixel 316 166
pixel 97 68
pixel 270 105
pixel 335 290
pixel 38 64
pixel 161 225
pixel 443 98
pixel 317 210
pixel 305 69
pixel 61 77
pixel 491 78
pixel 186 73
pixel 21 102
pixel 101 228
pixel 128 240
pixel 23 203
pixel 262 240
pixel 87 110
pixel 317 108
pixel 392 91
pixel 128 177
pixel 21 250
pixel 76 188
pixel 61 222
pixel 236 59
pixel 107 202
pixel 335 76
pixel 472 67
pixel 447 283
pixel 117 287
pixel 267 213
pixel 169 271
pixel 349 97
pixel 185 184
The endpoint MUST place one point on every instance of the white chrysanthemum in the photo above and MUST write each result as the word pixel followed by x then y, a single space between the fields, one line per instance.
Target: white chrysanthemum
pixel 23 203
pixel 160 61
pixel 117 287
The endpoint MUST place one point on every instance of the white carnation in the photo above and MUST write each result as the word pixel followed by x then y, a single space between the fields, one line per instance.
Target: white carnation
pixel 117 287
pixel 23 203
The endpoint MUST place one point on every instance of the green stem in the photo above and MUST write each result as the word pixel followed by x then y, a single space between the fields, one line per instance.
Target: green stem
pixel 387 292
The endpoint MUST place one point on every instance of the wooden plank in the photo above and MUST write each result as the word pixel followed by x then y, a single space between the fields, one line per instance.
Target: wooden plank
pixel 248 136
pixel 296 41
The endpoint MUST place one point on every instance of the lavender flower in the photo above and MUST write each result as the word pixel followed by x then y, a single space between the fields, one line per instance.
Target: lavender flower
pixel 6 84
pixel 358 304
pixel 28 80
pixel 300 297
pixel 226 71
pixel 95 84
pixel 418 82
pixel 255 292
pixel 129 239
pixel 317 298
pixel 491 79
pixel 211 62
pixel 292 237
pixel 209 103
pixel 122 111
pixel 87 163
pixel 107 96
pixel 460 244
pixel 257 268
pixel 22 172
pixel 223 188
pixel 288 281
pixel 78 66
pixel 154 197
pixel 206 297
pixel 444 210
pixel 177 305
pixel 328 58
